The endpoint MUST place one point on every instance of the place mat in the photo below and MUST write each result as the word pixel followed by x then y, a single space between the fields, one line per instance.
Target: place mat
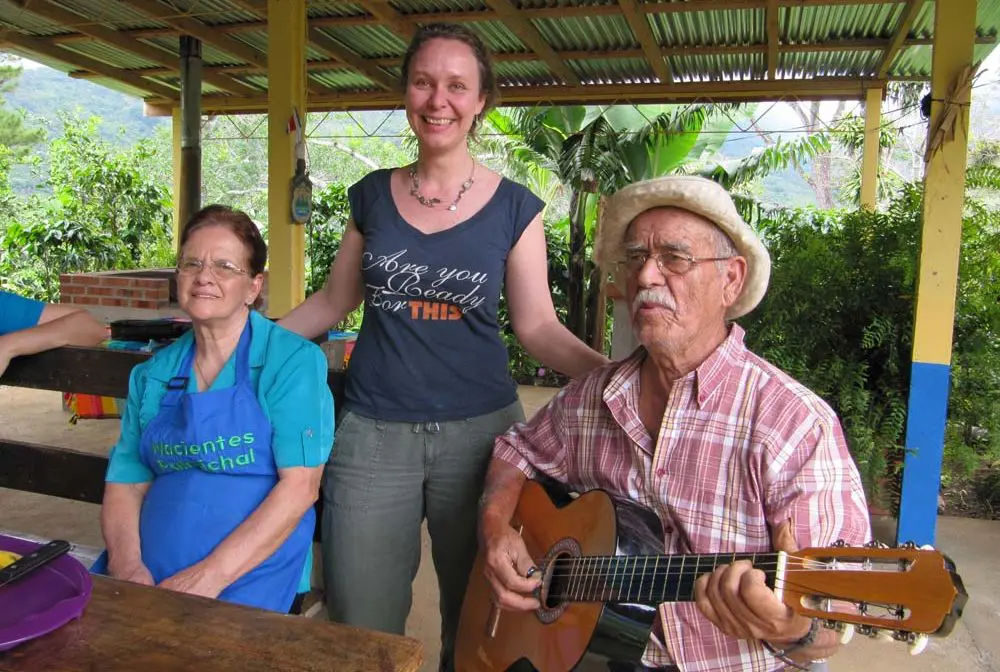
pixel 42 601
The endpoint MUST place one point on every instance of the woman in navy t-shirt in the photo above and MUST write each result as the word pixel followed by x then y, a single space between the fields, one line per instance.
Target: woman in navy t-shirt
pixel 428 249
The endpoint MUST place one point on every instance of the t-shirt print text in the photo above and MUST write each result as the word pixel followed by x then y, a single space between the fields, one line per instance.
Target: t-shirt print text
pixel 428 293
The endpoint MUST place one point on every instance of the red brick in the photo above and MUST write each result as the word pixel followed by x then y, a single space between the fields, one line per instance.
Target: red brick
pixel 86 300
pixel 70 290
pixel 105 301
pixel 116 282
pixel 88 280
pixel 149 283
pixel 145 304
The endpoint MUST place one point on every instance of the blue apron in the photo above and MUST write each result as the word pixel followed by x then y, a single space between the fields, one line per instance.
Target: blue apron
pixel 211 454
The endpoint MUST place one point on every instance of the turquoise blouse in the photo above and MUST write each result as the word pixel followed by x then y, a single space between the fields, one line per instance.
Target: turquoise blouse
pixel 289 374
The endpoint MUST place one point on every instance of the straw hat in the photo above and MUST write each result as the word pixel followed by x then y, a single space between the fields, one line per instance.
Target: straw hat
pixel 700 196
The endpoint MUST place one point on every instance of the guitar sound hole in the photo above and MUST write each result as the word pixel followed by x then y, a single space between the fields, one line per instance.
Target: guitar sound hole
pixel 555 580
pixel 558 588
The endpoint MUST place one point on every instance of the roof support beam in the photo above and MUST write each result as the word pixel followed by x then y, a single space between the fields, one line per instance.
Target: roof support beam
pixel 527 33
pixel 92 29
pixel 650 49
pixel 319 39
pixel 899 37
pixel 937 284
pixel 43 48
pixel 207 34
pixel 842 45
pixel 387 15
pixel 871 148
pixel 773 39
pixel 814 89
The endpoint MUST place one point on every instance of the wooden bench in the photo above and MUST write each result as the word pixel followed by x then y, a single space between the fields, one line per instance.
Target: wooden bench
pixel 64 472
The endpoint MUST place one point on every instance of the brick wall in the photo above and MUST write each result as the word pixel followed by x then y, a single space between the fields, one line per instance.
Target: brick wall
pixel 114 290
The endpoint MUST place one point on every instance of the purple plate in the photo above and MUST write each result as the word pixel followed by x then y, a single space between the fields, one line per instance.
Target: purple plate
pixel 42 601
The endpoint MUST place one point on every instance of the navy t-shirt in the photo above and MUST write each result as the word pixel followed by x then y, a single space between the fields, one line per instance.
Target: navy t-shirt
pixel 429 348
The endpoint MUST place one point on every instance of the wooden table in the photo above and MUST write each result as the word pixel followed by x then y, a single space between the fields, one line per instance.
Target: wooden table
pixel 127 627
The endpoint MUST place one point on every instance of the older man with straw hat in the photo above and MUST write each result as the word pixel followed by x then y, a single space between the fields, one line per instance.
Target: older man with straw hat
pixel 729 452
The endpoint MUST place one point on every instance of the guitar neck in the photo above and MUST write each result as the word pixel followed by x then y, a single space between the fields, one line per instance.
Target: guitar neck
pixel 643 579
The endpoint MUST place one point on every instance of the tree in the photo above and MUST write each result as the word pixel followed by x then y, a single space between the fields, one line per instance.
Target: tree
pixel 103 213
pixel 15 132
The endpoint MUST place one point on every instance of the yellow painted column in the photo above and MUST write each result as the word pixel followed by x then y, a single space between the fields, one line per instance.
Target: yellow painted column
pixel 286 73
pixel 870 156
pixel 178 181
pixel 944 192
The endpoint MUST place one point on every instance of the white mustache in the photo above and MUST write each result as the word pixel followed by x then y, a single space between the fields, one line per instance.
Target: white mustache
pixel 659 296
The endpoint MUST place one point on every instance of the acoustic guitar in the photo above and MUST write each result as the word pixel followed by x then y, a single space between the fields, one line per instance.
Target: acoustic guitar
pixel 602 577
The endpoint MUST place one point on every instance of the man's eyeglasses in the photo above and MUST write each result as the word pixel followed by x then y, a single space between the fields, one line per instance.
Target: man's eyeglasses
pixel 669 261
pixel 220 268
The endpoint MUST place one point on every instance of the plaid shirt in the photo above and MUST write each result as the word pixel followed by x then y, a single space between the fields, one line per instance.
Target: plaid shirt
pixel 741 448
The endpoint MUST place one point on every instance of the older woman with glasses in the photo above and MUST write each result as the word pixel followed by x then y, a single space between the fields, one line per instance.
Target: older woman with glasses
pixel 210 489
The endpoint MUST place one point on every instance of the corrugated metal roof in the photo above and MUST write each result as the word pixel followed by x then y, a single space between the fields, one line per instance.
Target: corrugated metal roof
pixel 836 43
pixel 120 15
pixel 810 25
pixel 109 54
pixel 737 66
pixel 209 54
pixel 367 41
pixel 595 33
pixel 343 78
pixel 211 12
pixel 612 70
pixel 20 20
pixel 523 73
pixel 734 26
pixel 499 38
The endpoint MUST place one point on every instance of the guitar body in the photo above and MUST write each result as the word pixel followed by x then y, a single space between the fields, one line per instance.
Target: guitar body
pixel 603 574
pixel 581 636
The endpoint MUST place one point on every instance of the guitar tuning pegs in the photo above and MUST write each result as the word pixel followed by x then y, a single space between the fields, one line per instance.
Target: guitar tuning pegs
pixel 840 543
pixel 907 545
pixel 882 635
pixel 875 544
pixel 918 644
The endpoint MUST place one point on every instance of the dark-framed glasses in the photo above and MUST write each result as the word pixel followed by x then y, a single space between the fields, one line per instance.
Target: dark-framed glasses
pixel 220 268
pixel 667 261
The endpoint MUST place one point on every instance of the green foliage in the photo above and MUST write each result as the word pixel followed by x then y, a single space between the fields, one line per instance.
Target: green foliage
pixel 838 316
pixel 15 132
pixel 103 213
pixel 331 211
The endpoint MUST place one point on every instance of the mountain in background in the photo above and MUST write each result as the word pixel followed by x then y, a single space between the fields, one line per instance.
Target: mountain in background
pixel 43 93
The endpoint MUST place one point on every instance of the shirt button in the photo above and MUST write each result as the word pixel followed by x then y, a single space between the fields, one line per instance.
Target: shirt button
pixel 668 529
pixel 660 472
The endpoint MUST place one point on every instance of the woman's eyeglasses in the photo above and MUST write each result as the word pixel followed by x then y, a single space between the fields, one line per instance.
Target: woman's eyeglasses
pixel 220 268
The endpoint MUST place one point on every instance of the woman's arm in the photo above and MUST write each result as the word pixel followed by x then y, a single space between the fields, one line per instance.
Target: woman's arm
pixel 342 293
pixel 58 325
pixel 256 538
pixel 531 311
pixel 120 527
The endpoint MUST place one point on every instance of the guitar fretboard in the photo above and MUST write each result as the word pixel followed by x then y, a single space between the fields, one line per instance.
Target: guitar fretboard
pixel 642 579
